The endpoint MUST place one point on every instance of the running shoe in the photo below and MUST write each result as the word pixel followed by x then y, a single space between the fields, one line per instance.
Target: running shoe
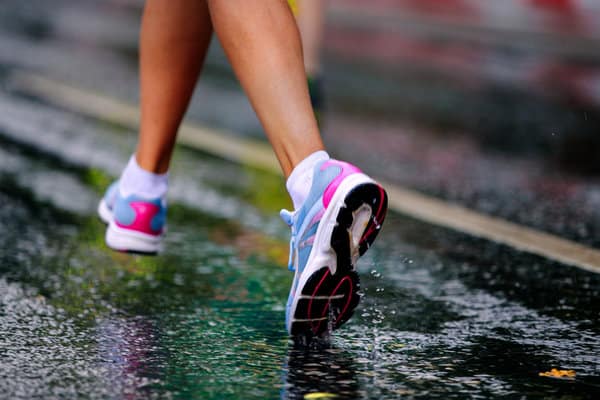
pixel 336 225
pixel 135 224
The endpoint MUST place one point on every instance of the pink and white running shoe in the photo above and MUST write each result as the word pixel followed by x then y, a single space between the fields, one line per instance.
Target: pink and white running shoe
pixel 135 224
pixel 337 223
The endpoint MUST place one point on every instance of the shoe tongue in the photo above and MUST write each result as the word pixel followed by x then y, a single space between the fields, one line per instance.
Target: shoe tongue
pixel 287 217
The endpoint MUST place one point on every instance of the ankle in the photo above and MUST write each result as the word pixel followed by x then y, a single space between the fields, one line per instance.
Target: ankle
pixel 136 180
pixel 155 165
pixel 300 180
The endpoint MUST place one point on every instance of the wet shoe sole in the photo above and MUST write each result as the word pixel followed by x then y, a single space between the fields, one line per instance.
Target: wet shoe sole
pixel 129 241
pixel 327 300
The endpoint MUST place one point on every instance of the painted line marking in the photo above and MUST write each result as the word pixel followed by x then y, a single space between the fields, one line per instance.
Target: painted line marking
pixel 258 154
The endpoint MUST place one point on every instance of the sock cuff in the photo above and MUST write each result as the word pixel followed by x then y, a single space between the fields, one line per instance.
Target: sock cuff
pixel 142 173
pixel 138 181
pixel 299 182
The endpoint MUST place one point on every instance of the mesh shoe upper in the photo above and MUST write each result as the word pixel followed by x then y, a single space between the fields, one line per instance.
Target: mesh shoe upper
pixel 136 213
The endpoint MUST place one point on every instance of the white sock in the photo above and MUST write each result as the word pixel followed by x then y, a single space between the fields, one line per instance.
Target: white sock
pixel 135 180
pixel 300 180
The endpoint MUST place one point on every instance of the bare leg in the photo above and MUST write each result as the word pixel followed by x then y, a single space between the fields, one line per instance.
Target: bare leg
pixel 262 43
pixel 174 38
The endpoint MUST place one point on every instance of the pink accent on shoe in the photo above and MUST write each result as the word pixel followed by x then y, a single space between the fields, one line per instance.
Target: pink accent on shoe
pixel 309 311
pixel 307 242
pixel 347 169
pixel 144 212
pixel 377 218
pixel 345 279
pixel 316 218
pixel 326 308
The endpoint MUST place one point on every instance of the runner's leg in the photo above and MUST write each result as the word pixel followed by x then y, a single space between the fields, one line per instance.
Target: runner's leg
pixel 174 39
pixel 262 42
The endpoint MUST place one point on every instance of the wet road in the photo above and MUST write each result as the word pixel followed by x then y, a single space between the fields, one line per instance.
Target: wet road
pixel 443 315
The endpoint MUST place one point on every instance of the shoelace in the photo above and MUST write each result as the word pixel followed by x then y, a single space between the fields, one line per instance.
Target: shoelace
pixel 288 218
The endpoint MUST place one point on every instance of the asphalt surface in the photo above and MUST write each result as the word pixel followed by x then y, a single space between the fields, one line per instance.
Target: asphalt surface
pixel 444 315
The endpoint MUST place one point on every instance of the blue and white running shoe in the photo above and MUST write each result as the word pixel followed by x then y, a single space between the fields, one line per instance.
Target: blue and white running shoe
pixel 135 224
pixel 337 223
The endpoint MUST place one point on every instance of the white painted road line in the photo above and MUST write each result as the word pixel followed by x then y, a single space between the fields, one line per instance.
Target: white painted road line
pixel 259 154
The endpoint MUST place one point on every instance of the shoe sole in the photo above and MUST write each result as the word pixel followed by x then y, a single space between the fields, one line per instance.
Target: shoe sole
pixel 126 240
pixel 328 297
pixel 104 213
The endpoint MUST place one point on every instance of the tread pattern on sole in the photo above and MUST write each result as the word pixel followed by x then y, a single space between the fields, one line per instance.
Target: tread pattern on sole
pixel 321 307
pixel 328 300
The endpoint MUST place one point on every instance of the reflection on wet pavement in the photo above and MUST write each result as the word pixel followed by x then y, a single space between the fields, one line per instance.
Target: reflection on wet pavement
pixel 205 319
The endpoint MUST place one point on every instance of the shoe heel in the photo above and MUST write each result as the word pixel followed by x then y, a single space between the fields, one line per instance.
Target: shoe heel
pixel 104 212
pixel 361 217
pixel 131 241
